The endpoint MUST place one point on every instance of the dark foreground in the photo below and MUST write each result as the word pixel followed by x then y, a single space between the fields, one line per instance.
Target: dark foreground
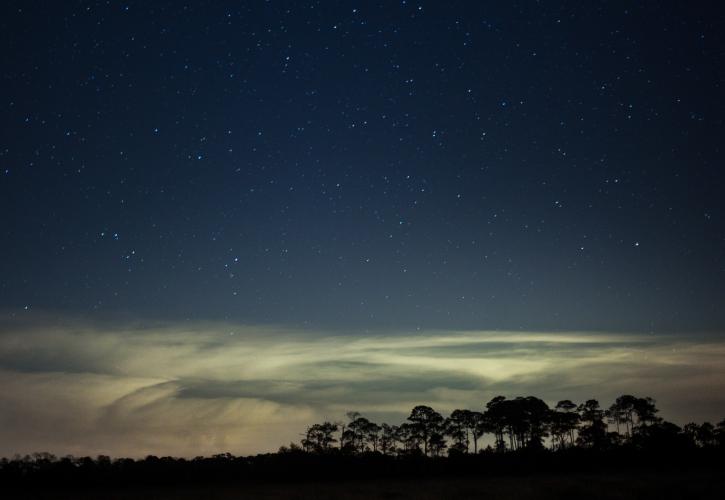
pixel 591 487
pixel 628 473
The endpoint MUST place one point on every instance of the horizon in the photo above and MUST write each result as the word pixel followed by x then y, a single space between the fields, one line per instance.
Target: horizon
pixel 200 389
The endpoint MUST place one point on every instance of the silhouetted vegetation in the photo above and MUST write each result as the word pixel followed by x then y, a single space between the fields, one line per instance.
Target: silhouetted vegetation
pixel 522 436
pixel 523 423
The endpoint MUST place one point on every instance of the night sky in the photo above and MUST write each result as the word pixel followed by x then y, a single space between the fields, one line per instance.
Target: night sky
pixel 295 170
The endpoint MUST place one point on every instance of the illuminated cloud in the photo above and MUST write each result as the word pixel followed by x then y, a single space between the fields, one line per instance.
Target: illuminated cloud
pixel 208 388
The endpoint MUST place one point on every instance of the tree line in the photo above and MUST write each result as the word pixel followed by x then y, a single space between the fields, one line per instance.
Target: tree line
pixel 512 424
pixel 508 436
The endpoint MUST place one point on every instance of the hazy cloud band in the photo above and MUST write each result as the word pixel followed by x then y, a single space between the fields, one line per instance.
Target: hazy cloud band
pixel 202 389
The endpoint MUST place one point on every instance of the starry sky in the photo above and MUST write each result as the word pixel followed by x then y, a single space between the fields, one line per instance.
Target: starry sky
pixel 186 173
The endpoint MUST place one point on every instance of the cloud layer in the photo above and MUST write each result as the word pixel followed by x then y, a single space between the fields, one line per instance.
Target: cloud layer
pixel 207 388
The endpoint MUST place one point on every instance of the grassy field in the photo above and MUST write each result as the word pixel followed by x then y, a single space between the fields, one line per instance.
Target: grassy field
pixel 589 487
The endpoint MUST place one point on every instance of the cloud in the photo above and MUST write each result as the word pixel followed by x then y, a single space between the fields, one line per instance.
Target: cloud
pixel 210 387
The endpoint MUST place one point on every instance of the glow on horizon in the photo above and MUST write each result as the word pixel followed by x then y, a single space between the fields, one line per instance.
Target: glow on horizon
pixel 199 389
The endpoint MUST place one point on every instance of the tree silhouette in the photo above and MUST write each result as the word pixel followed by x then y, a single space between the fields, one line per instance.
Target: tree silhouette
pixel 372 432
pixel 457 434
pixel 436 443
pixel 426 421
pixel 661 436
pixel 524 419
pixel 457 426
pixel 496 420
pixel 691 431
pixel 409 437
pixel 706 435
pixel 621 413
pixel 720 433
pixel 319 437
pixel 346 437
pixel 478 426
pixel 535 416
pixel 646 411
pixel 564 421
pixel 463 426
pixel 359 433
pixel 522 422
pixel 388 439
pixel 593 433
pixel 632 414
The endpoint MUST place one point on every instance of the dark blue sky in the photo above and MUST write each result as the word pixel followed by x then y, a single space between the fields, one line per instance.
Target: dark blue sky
pixel 514 165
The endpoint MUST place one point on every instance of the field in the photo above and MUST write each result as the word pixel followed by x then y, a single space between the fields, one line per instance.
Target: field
pixel 591 487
